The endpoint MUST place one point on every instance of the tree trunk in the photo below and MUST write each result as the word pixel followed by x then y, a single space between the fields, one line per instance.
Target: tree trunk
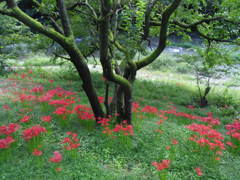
pixel 87 83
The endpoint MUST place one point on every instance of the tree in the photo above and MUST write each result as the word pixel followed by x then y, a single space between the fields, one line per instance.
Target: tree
pixel 123 27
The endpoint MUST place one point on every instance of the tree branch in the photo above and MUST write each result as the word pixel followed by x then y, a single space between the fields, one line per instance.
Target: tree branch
pixel 146 27
pixel 64 18
pixel 79 4
pixel 55 25
pixel 215 39
pixel 162 36
pixel 17 13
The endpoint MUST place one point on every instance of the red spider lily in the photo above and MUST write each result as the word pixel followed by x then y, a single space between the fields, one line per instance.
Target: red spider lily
pixel 46 118
pixel 33 132
pixel 56 158
pixel 219 153
pixel 8 130
pixel 25 119
pixel 231 144
pixel 63 102
pixel 84 112
pixel 72 141
pixel 37 152
pixel 38 89
pixel 25 97
pixel 23 76
pixel 168 147
pixel 191 107
pixel 149 109
pixel 198 171
pixel 103 121
pixel 61 110
pixel 174 141
pixel 206 136
pixel 6 107
pixel 107 131
pixel 58 169
pixel 5 143
pixel 135 107
pixel 124 129
pixel 234 129
pixel 162 165
pixel 209 119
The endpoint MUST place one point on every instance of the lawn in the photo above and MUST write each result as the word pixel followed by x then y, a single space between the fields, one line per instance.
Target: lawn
pixel 53 134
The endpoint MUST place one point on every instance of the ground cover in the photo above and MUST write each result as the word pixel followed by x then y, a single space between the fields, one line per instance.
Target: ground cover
pixel 47 131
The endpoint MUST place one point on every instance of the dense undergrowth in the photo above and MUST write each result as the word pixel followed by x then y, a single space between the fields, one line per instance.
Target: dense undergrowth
pixel 54 135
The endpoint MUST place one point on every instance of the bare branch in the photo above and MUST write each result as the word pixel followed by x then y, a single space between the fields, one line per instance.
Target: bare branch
pixel 62 57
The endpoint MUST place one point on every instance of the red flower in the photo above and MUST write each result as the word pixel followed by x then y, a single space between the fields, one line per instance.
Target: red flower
pixel 6 107
pixel 174 141
pixel 56 158
pixel 37 89
pixel 198 171
pixel 162 165
pixel 149 109
pixel 25 119
pixel 60 110
pixel 37 152
pixel 8 130
pixel 190 107
pixel 46 118
pixel 33 132
pixel 72 141
pixel 231 144
pixel 4 143
pixel 58 169
pixel 168 147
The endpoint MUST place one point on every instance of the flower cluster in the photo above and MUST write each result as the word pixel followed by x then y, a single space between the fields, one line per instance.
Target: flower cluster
pixel 84 112
pixel 56 158
pixel 206 136
pixel 46 118
pixel 72 141
pixel 234 129
pixel 209 119
pixel 25 119
pixel 5 142
pixel 9 129
pixel 37 89
pixel 150 109
pixel 37 152
pixel 135 107
pixel 124 129
pixel 33 132
pixel 162 165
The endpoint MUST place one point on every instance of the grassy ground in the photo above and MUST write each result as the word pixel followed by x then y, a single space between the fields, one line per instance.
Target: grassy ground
pixel 125 157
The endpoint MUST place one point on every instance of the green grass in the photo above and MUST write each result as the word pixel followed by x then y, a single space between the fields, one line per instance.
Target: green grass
pixel 100 157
